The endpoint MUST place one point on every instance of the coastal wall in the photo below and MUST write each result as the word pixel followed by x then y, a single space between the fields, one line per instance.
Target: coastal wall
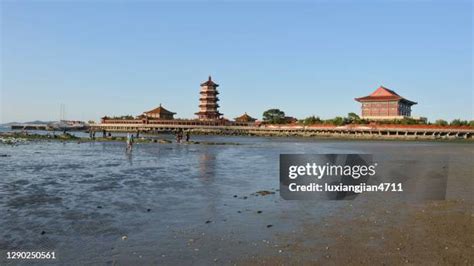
pixel 349 131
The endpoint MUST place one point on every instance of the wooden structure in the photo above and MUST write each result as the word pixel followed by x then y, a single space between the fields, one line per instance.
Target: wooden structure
pixel 208 106
pixel 159 113
pixel 385 104
pixel 245 118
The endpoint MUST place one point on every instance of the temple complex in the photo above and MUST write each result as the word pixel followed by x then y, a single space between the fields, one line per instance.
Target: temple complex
pixel 382 104
pixel 385 104
pixel 208 107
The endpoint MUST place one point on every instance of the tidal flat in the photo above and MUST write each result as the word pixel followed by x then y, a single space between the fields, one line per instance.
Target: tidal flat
pixel 175 204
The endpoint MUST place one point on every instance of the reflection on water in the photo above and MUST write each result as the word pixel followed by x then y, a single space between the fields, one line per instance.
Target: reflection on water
pixel 129 156
pixel 207 164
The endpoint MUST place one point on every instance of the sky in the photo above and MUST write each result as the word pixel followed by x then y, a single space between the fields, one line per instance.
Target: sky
pixel 305 57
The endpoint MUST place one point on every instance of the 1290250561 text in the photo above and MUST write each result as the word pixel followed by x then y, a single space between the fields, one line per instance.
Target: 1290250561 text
pixel 30 255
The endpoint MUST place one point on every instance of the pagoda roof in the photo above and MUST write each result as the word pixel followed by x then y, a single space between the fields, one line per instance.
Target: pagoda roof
pixel 245 117
pixel 210 82
pixel 384 94
pixel 208 113
pixel 159 110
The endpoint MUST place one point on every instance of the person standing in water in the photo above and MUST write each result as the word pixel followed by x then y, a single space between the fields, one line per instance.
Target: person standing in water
pixel 179 136
pixel 129 142
pixel 187 136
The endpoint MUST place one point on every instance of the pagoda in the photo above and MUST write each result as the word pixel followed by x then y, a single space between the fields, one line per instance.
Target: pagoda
pixel 385 104
pixel 208 101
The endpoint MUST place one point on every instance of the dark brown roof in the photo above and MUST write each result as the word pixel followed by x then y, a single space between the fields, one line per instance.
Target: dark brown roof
pixel 160 110
pixel 378 98
pixel 245 117
pixel 208 113
pixel 209 82
pixel 384 94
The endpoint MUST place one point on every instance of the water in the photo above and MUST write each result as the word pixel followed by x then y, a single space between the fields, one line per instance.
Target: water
pixel 4 129
pixel 174 202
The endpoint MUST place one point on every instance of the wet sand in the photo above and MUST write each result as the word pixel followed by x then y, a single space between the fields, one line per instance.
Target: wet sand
pixel 174 204
pixel 435 233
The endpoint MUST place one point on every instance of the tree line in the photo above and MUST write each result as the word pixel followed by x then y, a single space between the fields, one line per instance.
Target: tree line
pixel 277 116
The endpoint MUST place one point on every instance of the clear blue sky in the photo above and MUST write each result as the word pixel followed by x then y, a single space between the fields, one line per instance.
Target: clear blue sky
pixel 306 58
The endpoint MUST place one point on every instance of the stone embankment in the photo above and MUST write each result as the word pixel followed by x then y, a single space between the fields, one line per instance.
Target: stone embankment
pixel 346 132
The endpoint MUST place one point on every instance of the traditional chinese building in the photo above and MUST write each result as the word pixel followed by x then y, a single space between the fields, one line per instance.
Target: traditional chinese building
pixel 245 118
pixel 159 113
pixel 290 119
pixel 385 104
pixel 208 107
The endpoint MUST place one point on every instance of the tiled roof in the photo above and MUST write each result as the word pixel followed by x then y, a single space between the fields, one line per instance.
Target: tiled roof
pixel 208 113
pixel 159 110
pixel 383 94
pixel 245 117
pixel 209 82
pixel 378 98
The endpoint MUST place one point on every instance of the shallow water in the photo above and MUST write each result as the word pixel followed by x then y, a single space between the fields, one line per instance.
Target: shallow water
pixel 174 202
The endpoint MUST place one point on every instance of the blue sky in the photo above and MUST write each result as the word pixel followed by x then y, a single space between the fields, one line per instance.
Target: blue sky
pixel 306 58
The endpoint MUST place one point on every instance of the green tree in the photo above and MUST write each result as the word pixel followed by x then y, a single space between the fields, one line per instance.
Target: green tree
pixel 337 121
pixel 409 121
pixel 274 116
pixel 311 120
pixel 471 123
pixel 353 118
pixel 441 122
pixel 459 122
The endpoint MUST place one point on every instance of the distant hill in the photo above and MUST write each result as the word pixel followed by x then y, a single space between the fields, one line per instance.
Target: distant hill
pixel 8 124
pixel 36 122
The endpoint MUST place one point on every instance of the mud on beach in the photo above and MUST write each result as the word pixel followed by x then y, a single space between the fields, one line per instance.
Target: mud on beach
pixel 219 204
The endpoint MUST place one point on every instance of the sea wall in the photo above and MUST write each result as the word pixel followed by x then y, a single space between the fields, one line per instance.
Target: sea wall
pixel 362 132
pixel 338 134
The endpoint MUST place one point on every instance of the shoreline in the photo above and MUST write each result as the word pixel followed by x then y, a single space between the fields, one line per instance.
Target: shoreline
pixel 339 137
pixel 147 137
pixel 16 138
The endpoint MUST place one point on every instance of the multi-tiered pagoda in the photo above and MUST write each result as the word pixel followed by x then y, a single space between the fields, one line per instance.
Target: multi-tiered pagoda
pixel 208 101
